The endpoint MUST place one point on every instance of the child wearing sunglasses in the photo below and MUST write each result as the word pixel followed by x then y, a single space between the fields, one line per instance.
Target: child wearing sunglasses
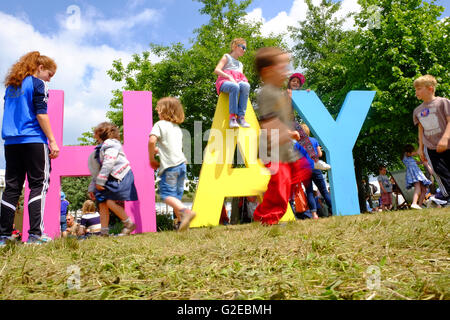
pixel 232 80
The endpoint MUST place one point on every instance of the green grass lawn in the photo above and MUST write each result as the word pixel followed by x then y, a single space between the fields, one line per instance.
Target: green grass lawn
pixel 326 259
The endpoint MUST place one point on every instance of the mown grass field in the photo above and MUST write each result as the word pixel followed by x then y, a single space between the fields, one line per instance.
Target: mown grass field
pixel 326 259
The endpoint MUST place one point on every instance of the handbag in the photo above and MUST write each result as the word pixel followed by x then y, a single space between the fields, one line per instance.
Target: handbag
pixel 301 203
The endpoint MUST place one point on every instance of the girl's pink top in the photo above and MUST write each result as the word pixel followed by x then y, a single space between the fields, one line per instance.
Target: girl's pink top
pixel 238 76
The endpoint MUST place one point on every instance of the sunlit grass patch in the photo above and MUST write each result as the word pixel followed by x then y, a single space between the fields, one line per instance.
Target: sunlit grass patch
pixel 324 259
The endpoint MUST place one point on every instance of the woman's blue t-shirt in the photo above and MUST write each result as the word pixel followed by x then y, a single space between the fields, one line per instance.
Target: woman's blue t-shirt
pixel 22 104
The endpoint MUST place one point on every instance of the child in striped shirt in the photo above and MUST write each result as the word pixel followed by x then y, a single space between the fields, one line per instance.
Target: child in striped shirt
pixel 90 221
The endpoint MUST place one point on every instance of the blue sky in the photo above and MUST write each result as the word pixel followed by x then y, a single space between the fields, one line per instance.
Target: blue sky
pixel 174 20
pixel 108 30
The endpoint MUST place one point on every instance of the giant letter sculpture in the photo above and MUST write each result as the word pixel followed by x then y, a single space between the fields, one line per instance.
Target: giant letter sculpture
pixel 217 177
pixel 338 138
pixel 72 162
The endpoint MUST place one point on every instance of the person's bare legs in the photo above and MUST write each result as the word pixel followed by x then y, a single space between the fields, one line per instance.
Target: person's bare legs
pixel 176 204
pixel 416 195
pixel 104 218
pixel 423 193
pixel 179 208
pixel 119 211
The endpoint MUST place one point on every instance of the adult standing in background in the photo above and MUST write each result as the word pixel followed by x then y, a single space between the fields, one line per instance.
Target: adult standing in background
pixel 64 207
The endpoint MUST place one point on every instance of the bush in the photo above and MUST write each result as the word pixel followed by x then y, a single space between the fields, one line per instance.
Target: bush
pixel 164 222
pixel 115 225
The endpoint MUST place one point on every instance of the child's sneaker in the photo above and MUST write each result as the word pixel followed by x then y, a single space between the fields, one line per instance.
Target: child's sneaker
pixel 321 165
pixel 186 218
pixel 241 121
pixel 104 232
pixel 35 239
pixel 128 228
pixel 416 206
pixel 233 123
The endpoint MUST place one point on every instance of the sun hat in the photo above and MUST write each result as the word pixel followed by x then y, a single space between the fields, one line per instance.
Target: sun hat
pixel 299 76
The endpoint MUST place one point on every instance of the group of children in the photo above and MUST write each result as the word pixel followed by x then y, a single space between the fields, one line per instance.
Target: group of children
pixel 30 143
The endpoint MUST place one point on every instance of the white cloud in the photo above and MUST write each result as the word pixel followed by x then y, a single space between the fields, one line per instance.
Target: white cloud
pixel 81 69
pixel 77 24
pixel 111 26
pixel 279 24
pixel 348 6
pixel 135 3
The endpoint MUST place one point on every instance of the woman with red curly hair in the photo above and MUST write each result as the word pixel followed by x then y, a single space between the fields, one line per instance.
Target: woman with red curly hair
pixel 29 142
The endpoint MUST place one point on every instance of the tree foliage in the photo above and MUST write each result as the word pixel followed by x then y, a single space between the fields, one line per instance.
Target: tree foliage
pixel 410 41
pixel 75 189
pixel 393 43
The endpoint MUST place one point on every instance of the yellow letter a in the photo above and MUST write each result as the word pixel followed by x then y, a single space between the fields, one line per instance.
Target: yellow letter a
pixel 218 179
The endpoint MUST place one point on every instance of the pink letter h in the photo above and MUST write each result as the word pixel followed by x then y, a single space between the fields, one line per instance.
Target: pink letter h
pixel 73 162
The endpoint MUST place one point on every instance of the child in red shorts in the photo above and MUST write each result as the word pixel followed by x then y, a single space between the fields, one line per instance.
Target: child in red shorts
pixel 275 115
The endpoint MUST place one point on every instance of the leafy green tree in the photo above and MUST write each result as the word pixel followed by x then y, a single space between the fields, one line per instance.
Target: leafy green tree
pixel 187 73
pixel 75 189
pixel 87 138
pixel 321 47
pixel 408 41
pixel 394 42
